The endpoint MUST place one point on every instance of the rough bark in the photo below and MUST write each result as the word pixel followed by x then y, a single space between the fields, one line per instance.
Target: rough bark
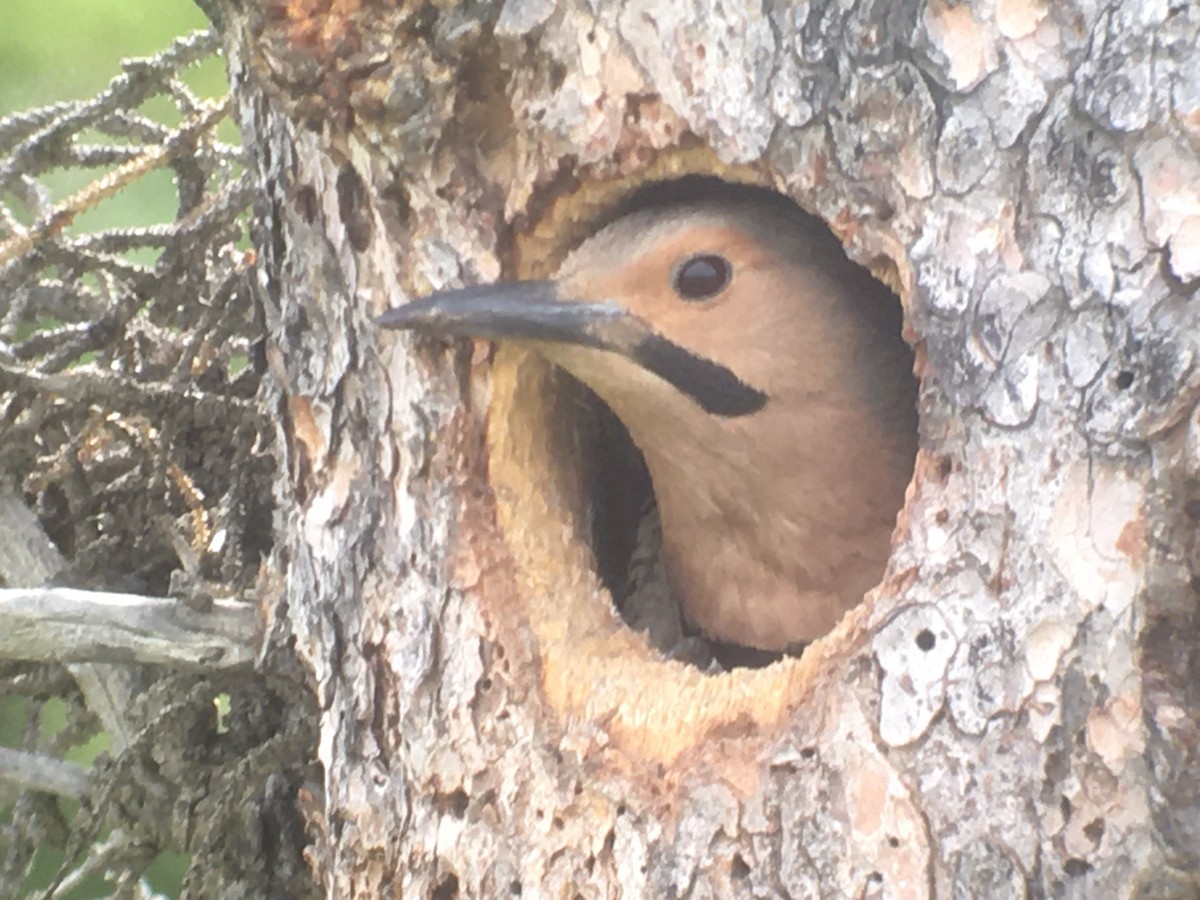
pixel 1011 713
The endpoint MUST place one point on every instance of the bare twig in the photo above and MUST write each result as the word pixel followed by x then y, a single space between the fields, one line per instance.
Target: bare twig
pixel 35 772
pixel 68 625
pixel 28 559
pixel 112 854
pixel 64 213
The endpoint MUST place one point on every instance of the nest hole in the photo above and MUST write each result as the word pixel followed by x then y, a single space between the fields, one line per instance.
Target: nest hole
pixel 615 490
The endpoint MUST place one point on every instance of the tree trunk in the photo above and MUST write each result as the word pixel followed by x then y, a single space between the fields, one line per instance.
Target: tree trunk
pixel 1011 713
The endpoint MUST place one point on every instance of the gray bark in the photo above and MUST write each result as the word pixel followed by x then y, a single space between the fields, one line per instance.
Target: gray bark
pixel 65 625
pixel 1011 713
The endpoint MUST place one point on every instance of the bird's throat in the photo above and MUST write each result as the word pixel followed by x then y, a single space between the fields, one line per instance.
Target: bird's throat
pixel 767 542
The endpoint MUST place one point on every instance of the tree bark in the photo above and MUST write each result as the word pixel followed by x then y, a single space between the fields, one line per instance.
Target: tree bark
pixel 1011 713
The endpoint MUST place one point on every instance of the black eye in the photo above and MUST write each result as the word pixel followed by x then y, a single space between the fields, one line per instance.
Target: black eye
pixel 702 276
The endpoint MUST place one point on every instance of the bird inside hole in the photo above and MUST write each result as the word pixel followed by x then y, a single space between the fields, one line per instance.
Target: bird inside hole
pixel 764 379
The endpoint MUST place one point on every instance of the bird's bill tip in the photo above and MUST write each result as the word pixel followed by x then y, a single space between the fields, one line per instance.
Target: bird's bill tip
pixel 479 304
pixel 519 310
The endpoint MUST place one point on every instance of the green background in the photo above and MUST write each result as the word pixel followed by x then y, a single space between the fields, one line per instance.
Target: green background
pixel 53 50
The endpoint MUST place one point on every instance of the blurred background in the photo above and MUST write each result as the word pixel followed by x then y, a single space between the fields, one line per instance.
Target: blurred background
pixel 55 50
pixel 52 51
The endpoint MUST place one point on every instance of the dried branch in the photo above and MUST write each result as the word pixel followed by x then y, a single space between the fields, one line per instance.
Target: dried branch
pixel 62 215
pixel 68 625
pixel 35 772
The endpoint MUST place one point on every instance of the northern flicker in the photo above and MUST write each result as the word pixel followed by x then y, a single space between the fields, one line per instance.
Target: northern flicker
pixel 764 379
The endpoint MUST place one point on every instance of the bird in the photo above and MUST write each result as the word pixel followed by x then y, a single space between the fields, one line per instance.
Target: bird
pixel 764 378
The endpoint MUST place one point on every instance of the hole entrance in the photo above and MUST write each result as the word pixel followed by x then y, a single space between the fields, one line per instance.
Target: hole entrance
pixel 615 508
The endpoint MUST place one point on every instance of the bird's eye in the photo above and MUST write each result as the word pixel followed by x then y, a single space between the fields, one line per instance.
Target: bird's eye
pixel 702 276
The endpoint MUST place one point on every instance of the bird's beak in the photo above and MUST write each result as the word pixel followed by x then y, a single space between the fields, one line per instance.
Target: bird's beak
pixel 535 311
pixel 520 310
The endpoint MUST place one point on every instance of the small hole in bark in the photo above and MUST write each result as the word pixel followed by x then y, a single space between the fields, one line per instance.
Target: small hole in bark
pixel 808 753
pixel 395 194
pixel 515 889
pixel 1191 509
pixel 455 803
pixel 926 640
pixel 447 888
pixel 352 208
pixel 307 203
pixel 1124 380
pixel 874 878
pixel 1076 867
pixel 893 841
pixel 738 869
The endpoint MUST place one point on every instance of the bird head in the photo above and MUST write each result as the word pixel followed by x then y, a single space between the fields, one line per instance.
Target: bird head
pixel 763 377
pixel 700 310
